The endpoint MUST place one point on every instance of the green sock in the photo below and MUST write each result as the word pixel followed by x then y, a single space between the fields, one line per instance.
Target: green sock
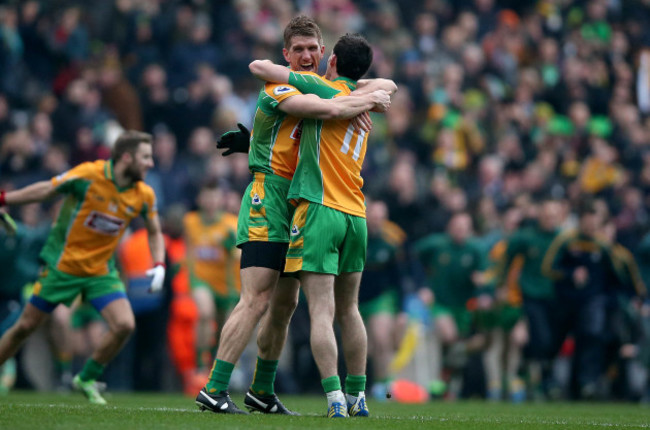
pixel 63 363
pixel 92 370
pixel 264 376
pixel 219 376
pixel 354 384
pixel 332 383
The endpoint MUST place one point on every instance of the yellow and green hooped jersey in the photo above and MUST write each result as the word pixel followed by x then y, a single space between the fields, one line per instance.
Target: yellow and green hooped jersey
pixel 276 135
pixel 331 152
pixel 93 218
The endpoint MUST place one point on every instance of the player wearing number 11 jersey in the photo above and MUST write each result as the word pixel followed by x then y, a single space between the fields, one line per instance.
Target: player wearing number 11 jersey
pixel 328 237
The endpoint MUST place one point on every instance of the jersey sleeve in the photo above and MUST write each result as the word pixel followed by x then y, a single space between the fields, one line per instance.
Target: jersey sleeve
pixel 274 94
pixel 75 180
pixel 311 83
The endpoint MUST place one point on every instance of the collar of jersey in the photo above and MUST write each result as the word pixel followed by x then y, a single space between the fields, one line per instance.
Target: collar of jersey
pixel 110 175
pixel 349 82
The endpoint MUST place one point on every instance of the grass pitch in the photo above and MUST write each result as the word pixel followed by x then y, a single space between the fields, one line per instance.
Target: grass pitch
pixel 30 410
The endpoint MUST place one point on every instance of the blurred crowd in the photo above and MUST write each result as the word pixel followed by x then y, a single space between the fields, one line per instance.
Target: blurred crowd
pixel 502 106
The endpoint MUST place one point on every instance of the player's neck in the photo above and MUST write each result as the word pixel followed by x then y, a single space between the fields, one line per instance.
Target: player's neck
pixel 331 74
pixel 121 179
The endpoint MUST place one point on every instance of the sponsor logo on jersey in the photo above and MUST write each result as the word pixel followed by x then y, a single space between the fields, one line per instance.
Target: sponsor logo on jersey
pixel 297 131
pixel 281 90
pixel 104 224
pixel 294 230
pixel 208 253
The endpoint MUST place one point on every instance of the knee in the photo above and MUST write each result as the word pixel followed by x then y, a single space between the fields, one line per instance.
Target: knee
pixel 124 327
pixel 255 306
pixel 282 311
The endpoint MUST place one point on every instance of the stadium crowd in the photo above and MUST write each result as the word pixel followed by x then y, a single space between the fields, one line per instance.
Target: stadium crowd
pixel 515 123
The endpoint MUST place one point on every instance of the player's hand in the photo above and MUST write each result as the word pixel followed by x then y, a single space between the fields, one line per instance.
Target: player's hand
pixel 158 277
pixel 381 99
pixel 8 223
pixel 362 122
pixel 235 141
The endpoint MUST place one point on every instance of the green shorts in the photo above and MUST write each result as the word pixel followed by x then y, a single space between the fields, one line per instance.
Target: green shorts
pixel 504 317
pixel 461 316
pixel 54 287
pixel 84 315
pixel 265 214
pixel 325 240
pixel 385 303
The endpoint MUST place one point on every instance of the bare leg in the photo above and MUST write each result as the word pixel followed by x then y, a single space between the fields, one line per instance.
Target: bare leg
pixel 257 286
pixel 517 338
pixel 121 323
pixel 493 361
pixel 205 327
pixel 274 327
pixel 12 340
pixel 381 328
pixel 61 343
pixel 319 290
pixel 355 339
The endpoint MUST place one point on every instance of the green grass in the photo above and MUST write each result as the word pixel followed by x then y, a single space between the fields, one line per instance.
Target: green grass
pixel 29 410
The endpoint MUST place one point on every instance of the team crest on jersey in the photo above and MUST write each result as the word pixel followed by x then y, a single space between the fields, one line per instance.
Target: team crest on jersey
pixel 281 90
pixel 256 199
pixel 104 224
pixel 130 210
pixel 113 206
pixel 294 230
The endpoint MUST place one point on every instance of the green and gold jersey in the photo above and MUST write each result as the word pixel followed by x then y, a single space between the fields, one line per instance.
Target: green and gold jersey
pixel 211 252
pixel 331 152
pixel 93 218
pixel 276 135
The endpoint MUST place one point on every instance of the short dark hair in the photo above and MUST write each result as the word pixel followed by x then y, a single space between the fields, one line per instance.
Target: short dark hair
pixel 128 142
pixel 353 56
pixel 302 25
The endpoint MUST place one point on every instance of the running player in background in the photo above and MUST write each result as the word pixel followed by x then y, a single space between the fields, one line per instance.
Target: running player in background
pixel 263 224
pixel 210 235
pixel 329 234
pixel 101 199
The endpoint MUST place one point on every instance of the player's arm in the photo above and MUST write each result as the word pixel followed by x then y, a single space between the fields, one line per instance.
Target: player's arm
pixel 157 249
pixel 267 70
pixel 33 193
pixel 365 86
pixel 155 236
pixel 312 106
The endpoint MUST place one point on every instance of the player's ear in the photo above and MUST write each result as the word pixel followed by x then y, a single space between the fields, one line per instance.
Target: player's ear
pixel 332 60
pixel 285 53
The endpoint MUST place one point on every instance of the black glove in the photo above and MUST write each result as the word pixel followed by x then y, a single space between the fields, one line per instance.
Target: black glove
pixel 235 141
